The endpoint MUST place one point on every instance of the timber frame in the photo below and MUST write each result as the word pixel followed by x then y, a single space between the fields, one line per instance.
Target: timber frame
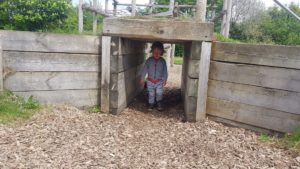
pixel 119 33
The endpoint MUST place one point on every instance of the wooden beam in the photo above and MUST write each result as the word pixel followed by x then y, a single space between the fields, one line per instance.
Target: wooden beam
pixel 253 115
pixel 50 62
pixel 1 65
pixel 153 29
pixel 80 17
pixel 49 42
pixel 173 55
pixel 268 55
pixel 106 6
pixel 105 73
pixel 203 81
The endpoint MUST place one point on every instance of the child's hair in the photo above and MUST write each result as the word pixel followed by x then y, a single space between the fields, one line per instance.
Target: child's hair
pixel 158 45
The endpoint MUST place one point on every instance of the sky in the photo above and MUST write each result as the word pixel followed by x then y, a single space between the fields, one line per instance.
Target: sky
pixel 268 3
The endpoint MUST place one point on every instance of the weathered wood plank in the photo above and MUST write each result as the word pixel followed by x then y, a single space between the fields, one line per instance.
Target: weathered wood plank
pixel 105 73
pixel 73 97
pixel 1 66
pixel 256 96
pixel 49 42
pixel 32 81
pixel 269 55
pixel 277 78
pixel 203 81
pixel 253 115
pixel 151 29
pixel 37 61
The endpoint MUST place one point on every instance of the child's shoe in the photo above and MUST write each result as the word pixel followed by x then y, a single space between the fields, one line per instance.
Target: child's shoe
pixel 150 107
pixel 159 106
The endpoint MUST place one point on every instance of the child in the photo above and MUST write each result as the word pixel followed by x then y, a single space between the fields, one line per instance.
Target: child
pixel 156 68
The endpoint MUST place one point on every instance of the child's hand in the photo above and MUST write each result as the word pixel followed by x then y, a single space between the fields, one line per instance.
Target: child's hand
pixel 142 81
pixel 165 82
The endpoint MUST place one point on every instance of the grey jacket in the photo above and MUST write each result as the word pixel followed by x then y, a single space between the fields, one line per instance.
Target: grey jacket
pixel 156 69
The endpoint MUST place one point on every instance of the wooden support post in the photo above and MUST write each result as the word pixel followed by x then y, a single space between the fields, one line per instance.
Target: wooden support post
pixel 1 66
pixel 228 18
pixel 106 6
pixel 115 8
pixel 80 17
pixel 172 55
pixel 171 6
pixel 133 7
pixel 223 24
pixel 203 81
pixel 95 17
pixel 201 10
pixel 105 73
pixel 151 7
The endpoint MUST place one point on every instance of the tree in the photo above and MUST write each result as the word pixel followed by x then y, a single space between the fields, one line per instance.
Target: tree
pixel 33 15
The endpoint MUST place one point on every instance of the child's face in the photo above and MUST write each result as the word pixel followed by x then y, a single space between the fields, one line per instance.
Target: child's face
pixel 156 52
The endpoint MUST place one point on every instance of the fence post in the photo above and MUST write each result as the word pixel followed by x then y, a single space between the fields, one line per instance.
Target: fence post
pixel 105 73
pixel 80 17
pixel 203 81
pixel 1 65
pixel 133 7
pixel 95 5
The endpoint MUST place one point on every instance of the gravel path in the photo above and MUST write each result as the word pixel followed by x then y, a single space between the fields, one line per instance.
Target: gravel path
pixel 66 137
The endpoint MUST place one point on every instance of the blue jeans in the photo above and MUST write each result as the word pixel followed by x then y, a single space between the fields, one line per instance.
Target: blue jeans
pixel 155 91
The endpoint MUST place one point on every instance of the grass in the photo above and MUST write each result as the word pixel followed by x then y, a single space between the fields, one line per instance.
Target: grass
pixel 14 108
pixel 178 60
pixel 94 109
pixel 290 141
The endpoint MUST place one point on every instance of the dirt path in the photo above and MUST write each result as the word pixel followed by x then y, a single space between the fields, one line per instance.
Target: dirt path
pixel 65 137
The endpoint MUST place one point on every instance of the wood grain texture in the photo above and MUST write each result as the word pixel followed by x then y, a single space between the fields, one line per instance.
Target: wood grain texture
pixel 72 97
pixel 253 115
pixel 149 29
pixel 268 55
pixel 264 76
pixel 275 99
pixel 34 81
pixel 50 42
pixel 38 61
pixel 1 66
pixel 203 81
pixel 105 73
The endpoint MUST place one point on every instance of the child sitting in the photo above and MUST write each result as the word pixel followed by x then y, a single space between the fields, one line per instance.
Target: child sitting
pixel 156 69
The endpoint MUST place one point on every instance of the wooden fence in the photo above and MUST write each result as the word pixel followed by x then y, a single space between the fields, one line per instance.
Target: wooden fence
pixel 51 67
pixel 257 85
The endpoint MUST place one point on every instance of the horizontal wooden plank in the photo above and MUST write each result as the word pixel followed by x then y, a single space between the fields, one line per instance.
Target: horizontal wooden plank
pixel 37 61
pixel 31 81
pixel 153 29
pixel 265 76
pixel 257 96
pixel 253 115
pixel 72 97
pixel 49 42
pixel 269 55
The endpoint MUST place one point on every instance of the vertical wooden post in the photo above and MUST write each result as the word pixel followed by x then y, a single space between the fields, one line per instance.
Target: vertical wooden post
pixel 151 7
pixel 95 17
pixel 201 10
pixel 203 81
pixel 80 17
pixel 1 66
pixel 172 55
pixel 106 6
pixel 171 6
pixel 115 8
pixel 223 24
pixel 228 18
pixel 133 7
pixel 105 73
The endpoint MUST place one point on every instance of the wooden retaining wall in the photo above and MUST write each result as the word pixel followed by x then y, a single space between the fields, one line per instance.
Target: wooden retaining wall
pixel 53 68
pixel 257 85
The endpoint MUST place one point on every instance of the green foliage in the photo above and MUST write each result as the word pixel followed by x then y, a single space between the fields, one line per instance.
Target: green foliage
pixel 221 38
pixel 178 60
pixel 275 26
pixel 94 109
pixel 32 15
pixel 179 50
pixel 14 108
pixel 264 137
